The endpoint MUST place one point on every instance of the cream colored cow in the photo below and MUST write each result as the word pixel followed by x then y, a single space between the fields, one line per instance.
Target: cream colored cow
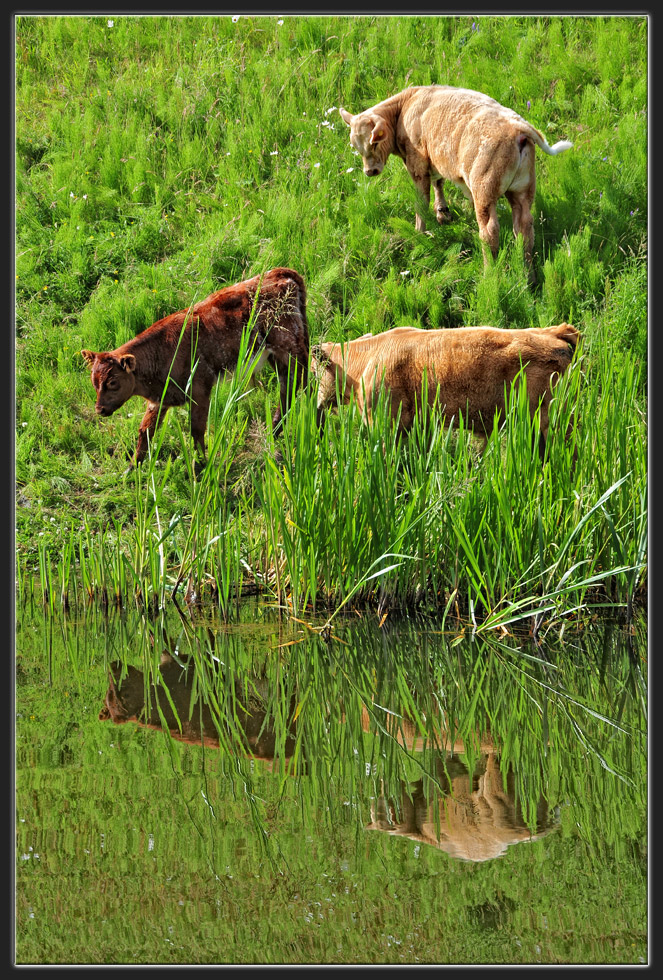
pixel 475 818
pixel 446 133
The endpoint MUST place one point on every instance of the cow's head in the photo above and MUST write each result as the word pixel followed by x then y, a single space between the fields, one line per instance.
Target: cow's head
pixel 114 379
pixel 370 137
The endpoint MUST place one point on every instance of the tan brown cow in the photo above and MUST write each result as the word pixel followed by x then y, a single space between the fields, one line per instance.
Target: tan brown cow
pixel 472 816
pixel 170 706
pixel 178 359
pixel 446 133
pixel 475 817
pixel 466 369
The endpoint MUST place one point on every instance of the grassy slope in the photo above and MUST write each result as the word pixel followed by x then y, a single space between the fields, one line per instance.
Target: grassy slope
pixel 159 159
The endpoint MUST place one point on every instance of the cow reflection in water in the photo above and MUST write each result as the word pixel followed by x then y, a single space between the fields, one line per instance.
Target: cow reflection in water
pixel 473 818
pixel 125 701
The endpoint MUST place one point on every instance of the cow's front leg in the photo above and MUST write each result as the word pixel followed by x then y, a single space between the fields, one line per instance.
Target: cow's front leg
pixel 153 416
pixel 422 183
pixel 199 414
pixel 442 212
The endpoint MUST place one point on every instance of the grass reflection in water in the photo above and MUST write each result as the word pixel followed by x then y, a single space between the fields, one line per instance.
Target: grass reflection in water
pixel 246 837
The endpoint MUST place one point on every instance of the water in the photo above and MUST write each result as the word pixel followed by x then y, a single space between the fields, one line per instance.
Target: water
pixel 390 795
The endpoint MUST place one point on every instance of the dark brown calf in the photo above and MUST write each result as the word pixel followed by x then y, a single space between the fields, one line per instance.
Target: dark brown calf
pixel 195 724
pixel 179 358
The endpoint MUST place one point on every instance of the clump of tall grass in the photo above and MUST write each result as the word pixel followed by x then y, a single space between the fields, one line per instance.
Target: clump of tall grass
pixel 354 513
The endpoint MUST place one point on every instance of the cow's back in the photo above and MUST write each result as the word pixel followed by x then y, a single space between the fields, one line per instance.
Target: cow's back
pixel 466 369
pixel 277 301
pixel 467 137
pixel 473 365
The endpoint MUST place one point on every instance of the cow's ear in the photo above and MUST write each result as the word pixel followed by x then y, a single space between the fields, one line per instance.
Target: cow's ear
pixel 346 116
pixel 127 362
pixel 88 356
pixel 379 133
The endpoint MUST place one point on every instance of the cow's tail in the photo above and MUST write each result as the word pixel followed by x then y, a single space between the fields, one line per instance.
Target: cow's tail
pixel 541 142
pixel 565 332
pixel 300 304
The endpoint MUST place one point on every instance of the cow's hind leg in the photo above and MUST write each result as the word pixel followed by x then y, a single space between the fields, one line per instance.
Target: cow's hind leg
pixel 523 223
pixel 292 374
pixel 442 212
pixel 542 435
pixel 199 414
pixel 489 226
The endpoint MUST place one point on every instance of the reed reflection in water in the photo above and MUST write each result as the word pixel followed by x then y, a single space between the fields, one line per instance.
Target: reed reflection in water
pixel 472 815
pixel 254 819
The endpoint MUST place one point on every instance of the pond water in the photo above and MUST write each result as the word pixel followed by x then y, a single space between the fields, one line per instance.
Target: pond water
pixel 386 794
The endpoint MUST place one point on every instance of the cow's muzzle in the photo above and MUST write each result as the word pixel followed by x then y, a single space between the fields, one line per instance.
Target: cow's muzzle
pixel 372 173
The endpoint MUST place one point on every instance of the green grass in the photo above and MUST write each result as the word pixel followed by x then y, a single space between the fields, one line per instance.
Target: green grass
pixel 162 158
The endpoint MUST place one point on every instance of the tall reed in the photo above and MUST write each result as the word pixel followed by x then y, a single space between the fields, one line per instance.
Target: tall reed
pixel 353 512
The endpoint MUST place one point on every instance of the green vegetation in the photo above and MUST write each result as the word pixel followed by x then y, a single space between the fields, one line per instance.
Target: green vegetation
pixel 135 848
pixel 158 159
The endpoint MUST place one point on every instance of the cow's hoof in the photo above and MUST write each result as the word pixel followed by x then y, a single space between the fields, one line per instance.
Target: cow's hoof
pixel 443 215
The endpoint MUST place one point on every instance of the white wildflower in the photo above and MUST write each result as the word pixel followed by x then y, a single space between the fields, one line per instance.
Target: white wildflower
pixel 111 23
pixel 236 18
pixel 349 170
